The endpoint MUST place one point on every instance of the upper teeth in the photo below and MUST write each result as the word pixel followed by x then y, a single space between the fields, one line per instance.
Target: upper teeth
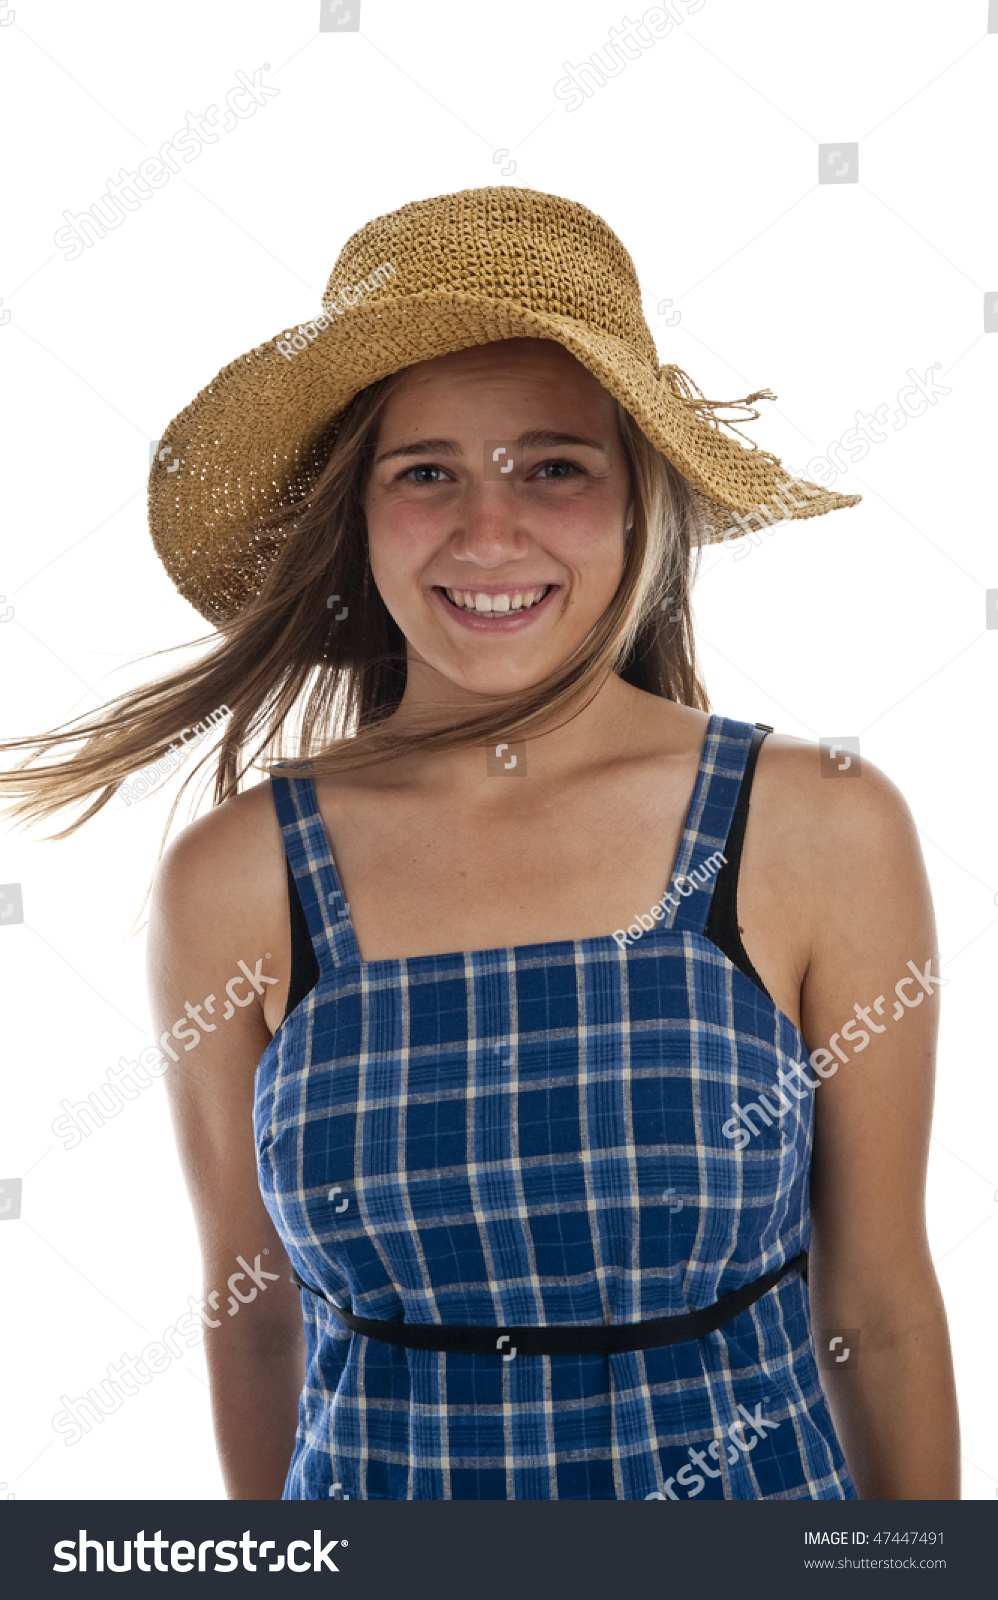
pixel 514 600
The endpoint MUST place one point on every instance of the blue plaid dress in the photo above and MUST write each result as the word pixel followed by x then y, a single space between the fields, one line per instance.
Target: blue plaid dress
pixel 535 1135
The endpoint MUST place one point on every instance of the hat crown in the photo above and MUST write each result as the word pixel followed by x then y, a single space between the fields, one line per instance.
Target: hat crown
pixel 518 246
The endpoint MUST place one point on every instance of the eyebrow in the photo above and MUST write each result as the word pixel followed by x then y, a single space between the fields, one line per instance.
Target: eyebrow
pixel 532 438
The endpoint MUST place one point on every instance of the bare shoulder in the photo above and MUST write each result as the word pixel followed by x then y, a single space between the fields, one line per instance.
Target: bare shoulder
pixel 841 838
pixel 829 804
pixel 224 873
pixel 824 822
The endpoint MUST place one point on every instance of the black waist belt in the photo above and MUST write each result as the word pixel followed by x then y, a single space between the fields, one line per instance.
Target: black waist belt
pixel 564 1340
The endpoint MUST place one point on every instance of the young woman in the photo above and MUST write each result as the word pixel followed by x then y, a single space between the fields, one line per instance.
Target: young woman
pixel 519 1075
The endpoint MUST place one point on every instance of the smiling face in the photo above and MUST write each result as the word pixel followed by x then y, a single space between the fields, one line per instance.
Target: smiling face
pixel 494 576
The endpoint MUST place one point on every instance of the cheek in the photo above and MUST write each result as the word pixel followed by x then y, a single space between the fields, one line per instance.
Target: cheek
pixel 399 543
pixel 590 546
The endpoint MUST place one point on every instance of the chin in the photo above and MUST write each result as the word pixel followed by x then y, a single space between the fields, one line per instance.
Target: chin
pixel 498 684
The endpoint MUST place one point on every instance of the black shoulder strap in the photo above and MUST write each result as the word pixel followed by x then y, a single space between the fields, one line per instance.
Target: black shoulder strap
pixel 304 962
pixel 721 926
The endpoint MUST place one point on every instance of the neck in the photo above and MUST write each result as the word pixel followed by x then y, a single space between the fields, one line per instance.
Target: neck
pixel 584 732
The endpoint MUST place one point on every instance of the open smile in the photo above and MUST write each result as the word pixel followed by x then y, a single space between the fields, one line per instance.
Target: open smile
pixel 502 609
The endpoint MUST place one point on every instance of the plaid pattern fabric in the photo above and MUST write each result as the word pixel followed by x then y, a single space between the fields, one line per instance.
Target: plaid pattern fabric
pixel 534 1135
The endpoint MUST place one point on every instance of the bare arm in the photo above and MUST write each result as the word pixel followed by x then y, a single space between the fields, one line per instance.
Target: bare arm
pixel 214 889
pixel 870 915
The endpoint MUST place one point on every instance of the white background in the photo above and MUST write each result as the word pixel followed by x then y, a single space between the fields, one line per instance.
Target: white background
pixel 703 156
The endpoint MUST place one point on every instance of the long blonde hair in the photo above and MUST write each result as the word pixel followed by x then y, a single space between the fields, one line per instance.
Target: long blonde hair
pixel 311 670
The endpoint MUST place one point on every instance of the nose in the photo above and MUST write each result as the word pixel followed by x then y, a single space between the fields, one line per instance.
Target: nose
pixel 489 530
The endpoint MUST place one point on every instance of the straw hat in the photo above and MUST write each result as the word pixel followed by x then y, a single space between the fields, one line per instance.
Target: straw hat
pixel 436 276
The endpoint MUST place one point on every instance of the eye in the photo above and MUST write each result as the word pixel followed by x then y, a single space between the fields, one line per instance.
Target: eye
pixel 558 470
pixel 408 475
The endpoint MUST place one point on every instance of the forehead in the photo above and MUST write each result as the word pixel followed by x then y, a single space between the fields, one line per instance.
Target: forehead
pixel 530 369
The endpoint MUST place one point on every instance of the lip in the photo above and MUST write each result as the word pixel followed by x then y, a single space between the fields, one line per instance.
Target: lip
pixel 509 622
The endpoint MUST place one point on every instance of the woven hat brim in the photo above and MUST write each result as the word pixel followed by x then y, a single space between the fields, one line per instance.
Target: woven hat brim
pixel 259 434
